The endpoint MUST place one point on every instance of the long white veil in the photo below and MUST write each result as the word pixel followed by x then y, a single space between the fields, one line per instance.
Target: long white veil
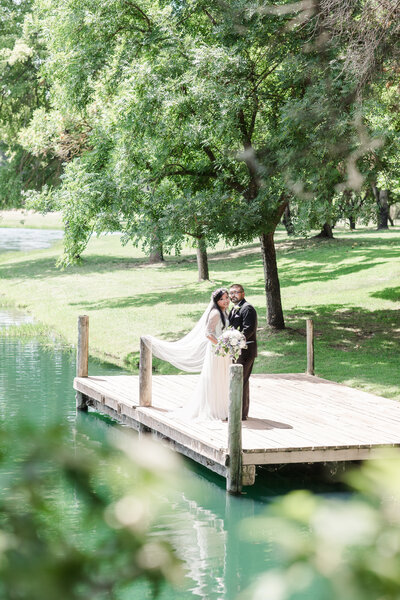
pixel 187 353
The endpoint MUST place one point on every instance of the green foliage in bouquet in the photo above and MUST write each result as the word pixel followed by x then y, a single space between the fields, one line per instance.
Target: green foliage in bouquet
pixel 230 343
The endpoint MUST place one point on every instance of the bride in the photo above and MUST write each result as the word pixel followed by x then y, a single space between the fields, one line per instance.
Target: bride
pixel 196 352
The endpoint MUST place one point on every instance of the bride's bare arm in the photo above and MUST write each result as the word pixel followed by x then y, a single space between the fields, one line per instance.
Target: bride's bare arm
pixel 211 326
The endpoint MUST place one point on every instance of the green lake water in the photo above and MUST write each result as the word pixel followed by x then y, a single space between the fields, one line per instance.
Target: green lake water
pixel 200 520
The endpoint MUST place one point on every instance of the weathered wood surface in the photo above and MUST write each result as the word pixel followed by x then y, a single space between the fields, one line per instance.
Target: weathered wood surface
pixel 293 418
pixel 82 351
pixel 310 346
pixel 82 358
pixel 145 373
pixel 234 475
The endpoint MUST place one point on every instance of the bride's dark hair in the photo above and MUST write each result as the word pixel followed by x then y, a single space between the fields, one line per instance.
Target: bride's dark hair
pixel 215 296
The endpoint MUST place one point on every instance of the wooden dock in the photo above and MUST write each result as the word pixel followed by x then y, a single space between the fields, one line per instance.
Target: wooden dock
pixel 294 418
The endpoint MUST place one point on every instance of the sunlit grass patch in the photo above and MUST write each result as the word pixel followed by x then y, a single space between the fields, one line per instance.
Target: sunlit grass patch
pixel 31 219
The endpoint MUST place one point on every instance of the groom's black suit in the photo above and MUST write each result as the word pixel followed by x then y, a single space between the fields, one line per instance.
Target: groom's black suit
pixel 243 316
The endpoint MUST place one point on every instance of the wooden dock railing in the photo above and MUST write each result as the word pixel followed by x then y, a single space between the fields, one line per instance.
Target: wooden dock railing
pixel 236 474
pixel 310 347
pixel 234 460
pixel 82 358
pixel 145 371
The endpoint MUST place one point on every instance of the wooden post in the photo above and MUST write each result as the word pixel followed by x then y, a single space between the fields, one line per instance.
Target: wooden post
pixel 310 347
pixel 145 368
pixel 234 478
pixel 82 358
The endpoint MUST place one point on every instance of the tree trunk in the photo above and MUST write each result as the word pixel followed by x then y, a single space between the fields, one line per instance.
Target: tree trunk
pixel 382 201
pixel 156 250
pixel 202 260
pixel 287 221
pixel 272 286
pixel 352 222
pixel 326 232
pixel 394 213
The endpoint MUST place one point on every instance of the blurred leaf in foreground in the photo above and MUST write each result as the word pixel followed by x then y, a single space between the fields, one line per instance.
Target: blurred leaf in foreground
pixel 334 548
pixel 75 517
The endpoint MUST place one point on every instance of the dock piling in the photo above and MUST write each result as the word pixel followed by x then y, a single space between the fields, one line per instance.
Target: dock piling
pixel 145 369
pixel 82 358
pixel 234 471
pixel 310 347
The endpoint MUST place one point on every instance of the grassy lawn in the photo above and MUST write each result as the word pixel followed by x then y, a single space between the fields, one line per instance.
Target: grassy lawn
pixel 31 219
pixel 350 286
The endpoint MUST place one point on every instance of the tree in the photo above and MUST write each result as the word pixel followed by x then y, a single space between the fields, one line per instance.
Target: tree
pixel 180 94
pixel 197 216
pixel 368 33
pixel 287 220
pixel 244 103
pixel 382 115
pixel 382 202
pixel 357 62
pixel 352 206
pixel 22 91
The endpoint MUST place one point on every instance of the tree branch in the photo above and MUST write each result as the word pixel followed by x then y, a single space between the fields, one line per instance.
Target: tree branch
pixel 185 171
pixel 213 21
pixel 231 181
pixel 141 12
pixel 253 118
pixel 243 130
pixel 281 208
pixel 209 153
pixel 249 157
pixel 264 75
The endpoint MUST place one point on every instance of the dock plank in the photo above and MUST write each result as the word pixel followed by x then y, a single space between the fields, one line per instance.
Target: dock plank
pixel 293 417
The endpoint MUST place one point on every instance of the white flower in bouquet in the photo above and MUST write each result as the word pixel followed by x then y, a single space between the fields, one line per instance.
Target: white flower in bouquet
pixel 230 343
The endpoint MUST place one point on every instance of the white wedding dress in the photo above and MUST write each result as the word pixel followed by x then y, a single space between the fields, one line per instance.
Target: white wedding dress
pixel 210 399
pixel 195 352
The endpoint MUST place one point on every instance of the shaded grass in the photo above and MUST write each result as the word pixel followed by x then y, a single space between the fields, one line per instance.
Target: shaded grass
pixel 349 286
pixel 352 345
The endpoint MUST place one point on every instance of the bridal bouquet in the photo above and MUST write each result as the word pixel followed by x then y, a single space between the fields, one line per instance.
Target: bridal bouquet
pixel 230 343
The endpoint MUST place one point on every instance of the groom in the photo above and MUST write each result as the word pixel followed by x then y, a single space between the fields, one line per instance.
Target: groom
pixel 243 316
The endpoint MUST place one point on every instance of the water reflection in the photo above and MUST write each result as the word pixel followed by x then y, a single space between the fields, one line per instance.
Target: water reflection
pixel 218 561
pixel 23 239
pixel 200 539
